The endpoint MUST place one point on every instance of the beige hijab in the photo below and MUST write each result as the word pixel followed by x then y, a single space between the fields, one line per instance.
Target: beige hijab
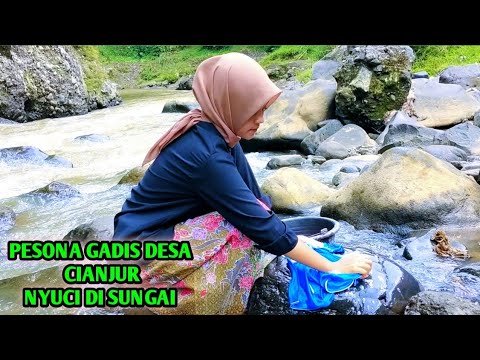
pixel 230 89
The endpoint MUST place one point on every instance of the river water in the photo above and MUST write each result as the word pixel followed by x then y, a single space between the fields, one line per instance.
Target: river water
pixel 132 128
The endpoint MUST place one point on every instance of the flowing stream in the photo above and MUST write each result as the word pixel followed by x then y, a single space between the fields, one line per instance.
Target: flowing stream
pixel 131 128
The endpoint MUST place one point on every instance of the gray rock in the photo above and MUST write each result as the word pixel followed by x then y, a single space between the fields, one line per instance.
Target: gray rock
pixel 476 119
pixel 465 136
pixel 177 106
pixel 467 76
pixel 420 75
pixel 440 105
pixel 285 160
pixel 325 69
pixel 7 122
pixel 329 127
pixel 341 179
pixel 58 161
pixel 405 190
pixel 414 135
pixel 350 169
pixel 184 83
pixel 400 117
pixel 440 303
pixel 365 90
pixel 350 140
pixel 445 152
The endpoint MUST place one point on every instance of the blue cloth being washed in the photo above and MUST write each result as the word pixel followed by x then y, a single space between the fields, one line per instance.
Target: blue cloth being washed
pixel 311 289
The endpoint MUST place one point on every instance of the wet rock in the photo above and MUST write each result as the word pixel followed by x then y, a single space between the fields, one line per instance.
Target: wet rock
pixel 178 106
pixel 133 176
pixel 386 291
pixel 105 97
pixel 31 155
pixel 7 122
pixel 54 160
pixel 426 247
pixel 467 280
pixel 349 169
pixel 100 229
pixel 54 190
pixel 317 159
pixel 331 167
pixel 92 138
pixel 7 218
pixel 184 83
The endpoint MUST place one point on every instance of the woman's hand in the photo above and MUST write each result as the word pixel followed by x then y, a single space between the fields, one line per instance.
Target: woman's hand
pixel 353 263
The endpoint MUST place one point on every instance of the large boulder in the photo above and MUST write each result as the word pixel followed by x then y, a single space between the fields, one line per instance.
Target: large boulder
pixel 440 105
pixel 407 189
pixel 293 117
pixel 40 81
pixel 372 81
pixel 293 192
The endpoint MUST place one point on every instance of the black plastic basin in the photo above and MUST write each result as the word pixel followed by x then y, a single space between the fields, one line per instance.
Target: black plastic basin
pixel 312 227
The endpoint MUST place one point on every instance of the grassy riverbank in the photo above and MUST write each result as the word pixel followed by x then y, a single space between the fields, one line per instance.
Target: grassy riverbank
pixel 138 65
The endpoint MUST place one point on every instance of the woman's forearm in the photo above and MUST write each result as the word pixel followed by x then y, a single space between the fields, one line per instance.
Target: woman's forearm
pixel 349 263
pixel 306 255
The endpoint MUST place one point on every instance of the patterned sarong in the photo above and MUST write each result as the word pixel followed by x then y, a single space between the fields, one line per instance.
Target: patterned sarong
pixel 219 278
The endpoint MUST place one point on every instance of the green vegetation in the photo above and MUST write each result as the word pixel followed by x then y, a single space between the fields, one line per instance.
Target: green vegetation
pixel 435 58
pixel 167 63
pixel 95 74
pixel 159 63
pixel 288 53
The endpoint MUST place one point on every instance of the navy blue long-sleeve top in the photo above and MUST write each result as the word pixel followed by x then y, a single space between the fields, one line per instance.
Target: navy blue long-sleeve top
pixel 196 174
